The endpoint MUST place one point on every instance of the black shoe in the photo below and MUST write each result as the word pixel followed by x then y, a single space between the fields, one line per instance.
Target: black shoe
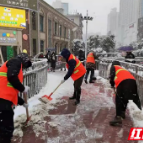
pixel 91 82
pixel 94 78
pixel 116 122
pixel 123 115
pixel 76 103
pixel 71 98
pixel 85 81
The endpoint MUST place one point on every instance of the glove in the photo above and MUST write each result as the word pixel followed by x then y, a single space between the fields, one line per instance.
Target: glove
pixel 27 88
pixel 62 81
pixel 25 105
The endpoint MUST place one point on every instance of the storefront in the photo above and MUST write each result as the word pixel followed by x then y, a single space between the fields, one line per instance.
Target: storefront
pixel 12 22
pixel 10 44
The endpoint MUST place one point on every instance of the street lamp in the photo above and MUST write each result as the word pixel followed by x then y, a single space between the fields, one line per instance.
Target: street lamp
pixel 87 18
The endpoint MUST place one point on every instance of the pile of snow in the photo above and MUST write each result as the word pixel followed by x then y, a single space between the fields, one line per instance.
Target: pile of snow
pixel 136 114
pixel 40 110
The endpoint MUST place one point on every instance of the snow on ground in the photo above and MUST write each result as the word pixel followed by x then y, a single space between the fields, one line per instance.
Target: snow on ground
pixel 53 81
pixel 40 110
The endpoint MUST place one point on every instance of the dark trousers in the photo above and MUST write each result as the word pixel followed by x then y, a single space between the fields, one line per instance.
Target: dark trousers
pixel 6 125
pixel 127 90
pixel 77 88
pixel 91 75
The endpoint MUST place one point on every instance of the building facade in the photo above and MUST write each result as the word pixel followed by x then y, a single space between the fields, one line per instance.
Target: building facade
pixel 35 26
pixel 77 18
pixel 140 29
pixel 14 27
pixel 129 13
pixel 65 6
pixel 113 23
pixel 56 30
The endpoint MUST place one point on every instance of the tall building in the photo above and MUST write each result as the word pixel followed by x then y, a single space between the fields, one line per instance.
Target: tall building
pixel 77 19
pixel 112 22
pixel 141 9
pixel 65 6
pixel 129 13
pixel 59 6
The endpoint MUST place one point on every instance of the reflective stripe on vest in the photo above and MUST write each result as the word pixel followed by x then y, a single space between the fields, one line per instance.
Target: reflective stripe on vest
pixel 90 56
pixel 5 75
pixel 76 65
pixel 118 72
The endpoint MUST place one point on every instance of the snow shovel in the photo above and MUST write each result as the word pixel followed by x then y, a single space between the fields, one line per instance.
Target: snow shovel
pixel 27 111
pixel 46 98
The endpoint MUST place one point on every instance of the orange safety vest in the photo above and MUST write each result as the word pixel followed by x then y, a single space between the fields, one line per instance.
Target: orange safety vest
pixel 121 74
pixel 7 91
pixel 79 69
pixel 90 58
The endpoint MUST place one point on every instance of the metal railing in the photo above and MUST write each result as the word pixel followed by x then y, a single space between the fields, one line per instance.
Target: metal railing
pixel 35 77
pixel 136 70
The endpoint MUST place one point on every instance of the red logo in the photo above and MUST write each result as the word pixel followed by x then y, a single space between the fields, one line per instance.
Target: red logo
pixel 136 134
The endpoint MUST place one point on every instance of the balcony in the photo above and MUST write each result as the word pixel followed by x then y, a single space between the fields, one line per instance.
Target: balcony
pixel 61 38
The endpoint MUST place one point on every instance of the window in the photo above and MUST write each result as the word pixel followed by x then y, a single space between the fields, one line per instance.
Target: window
pixel 34 47
pixel 34 20
pixel 60 30
pixel 41 23
pixel 41 46
pixel 65 32
pixel 56 28
pixel 49 33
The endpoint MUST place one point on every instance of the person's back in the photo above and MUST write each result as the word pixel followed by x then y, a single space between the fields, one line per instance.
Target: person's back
pixel 130 58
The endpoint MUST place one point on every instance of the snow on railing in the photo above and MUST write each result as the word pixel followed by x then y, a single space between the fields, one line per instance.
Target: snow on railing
pixel 135 69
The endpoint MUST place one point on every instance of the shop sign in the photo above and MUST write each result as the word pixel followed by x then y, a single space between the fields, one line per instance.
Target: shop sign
pixel 8 38
pixel 25 4
pixel 11 17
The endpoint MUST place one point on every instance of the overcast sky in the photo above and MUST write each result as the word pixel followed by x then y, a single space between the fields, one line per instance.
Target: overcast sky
pixel 98 9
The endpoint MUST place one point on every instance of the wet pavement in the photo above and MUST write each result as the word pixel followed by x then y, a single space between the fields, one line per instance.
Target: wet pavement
pixel 86 123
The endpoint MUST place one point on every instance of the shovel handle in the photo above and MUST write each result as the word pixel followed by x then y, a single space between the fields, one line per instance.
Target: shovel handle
pixel 56 88
pixel 27 112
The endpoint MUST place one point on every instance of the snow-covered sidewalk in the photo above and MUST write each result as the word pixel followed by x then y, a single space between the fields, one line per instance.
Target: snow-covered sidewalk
pixel 62 122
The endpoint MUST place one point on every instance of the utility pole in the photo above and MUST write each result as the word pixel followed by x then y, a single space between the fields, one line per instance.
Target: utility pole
pixel 87 18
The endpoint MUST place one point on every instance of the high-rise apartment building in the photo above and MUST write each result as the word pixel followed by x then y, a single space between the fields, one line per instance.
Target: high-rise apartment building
pixel 112 22
pixel 129 13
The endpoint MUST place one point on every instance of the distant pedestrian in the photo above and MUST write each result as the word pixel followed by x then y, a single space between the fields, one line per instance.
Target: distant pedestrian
pixel 81 56
pixel 130 58
pixel 53 61
pixel 90 67
pixel 48 56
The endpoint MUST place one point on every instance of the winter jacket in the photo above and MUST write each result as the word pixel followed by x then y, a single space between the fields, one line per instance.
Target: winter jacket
pixel 71 63
pixel 130 58
pixel 79 69
pixel 14 66
pixel 81 56
pixel 121 75
pixel 114 73
pixel 48 56
pixel 91 65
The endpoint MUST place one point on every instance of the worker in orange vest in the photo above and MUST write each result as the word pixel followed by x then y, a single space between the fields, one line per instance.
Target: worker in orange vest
pixel 90 67
pixel 11 79
pixel 126 89
pixel 76 71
